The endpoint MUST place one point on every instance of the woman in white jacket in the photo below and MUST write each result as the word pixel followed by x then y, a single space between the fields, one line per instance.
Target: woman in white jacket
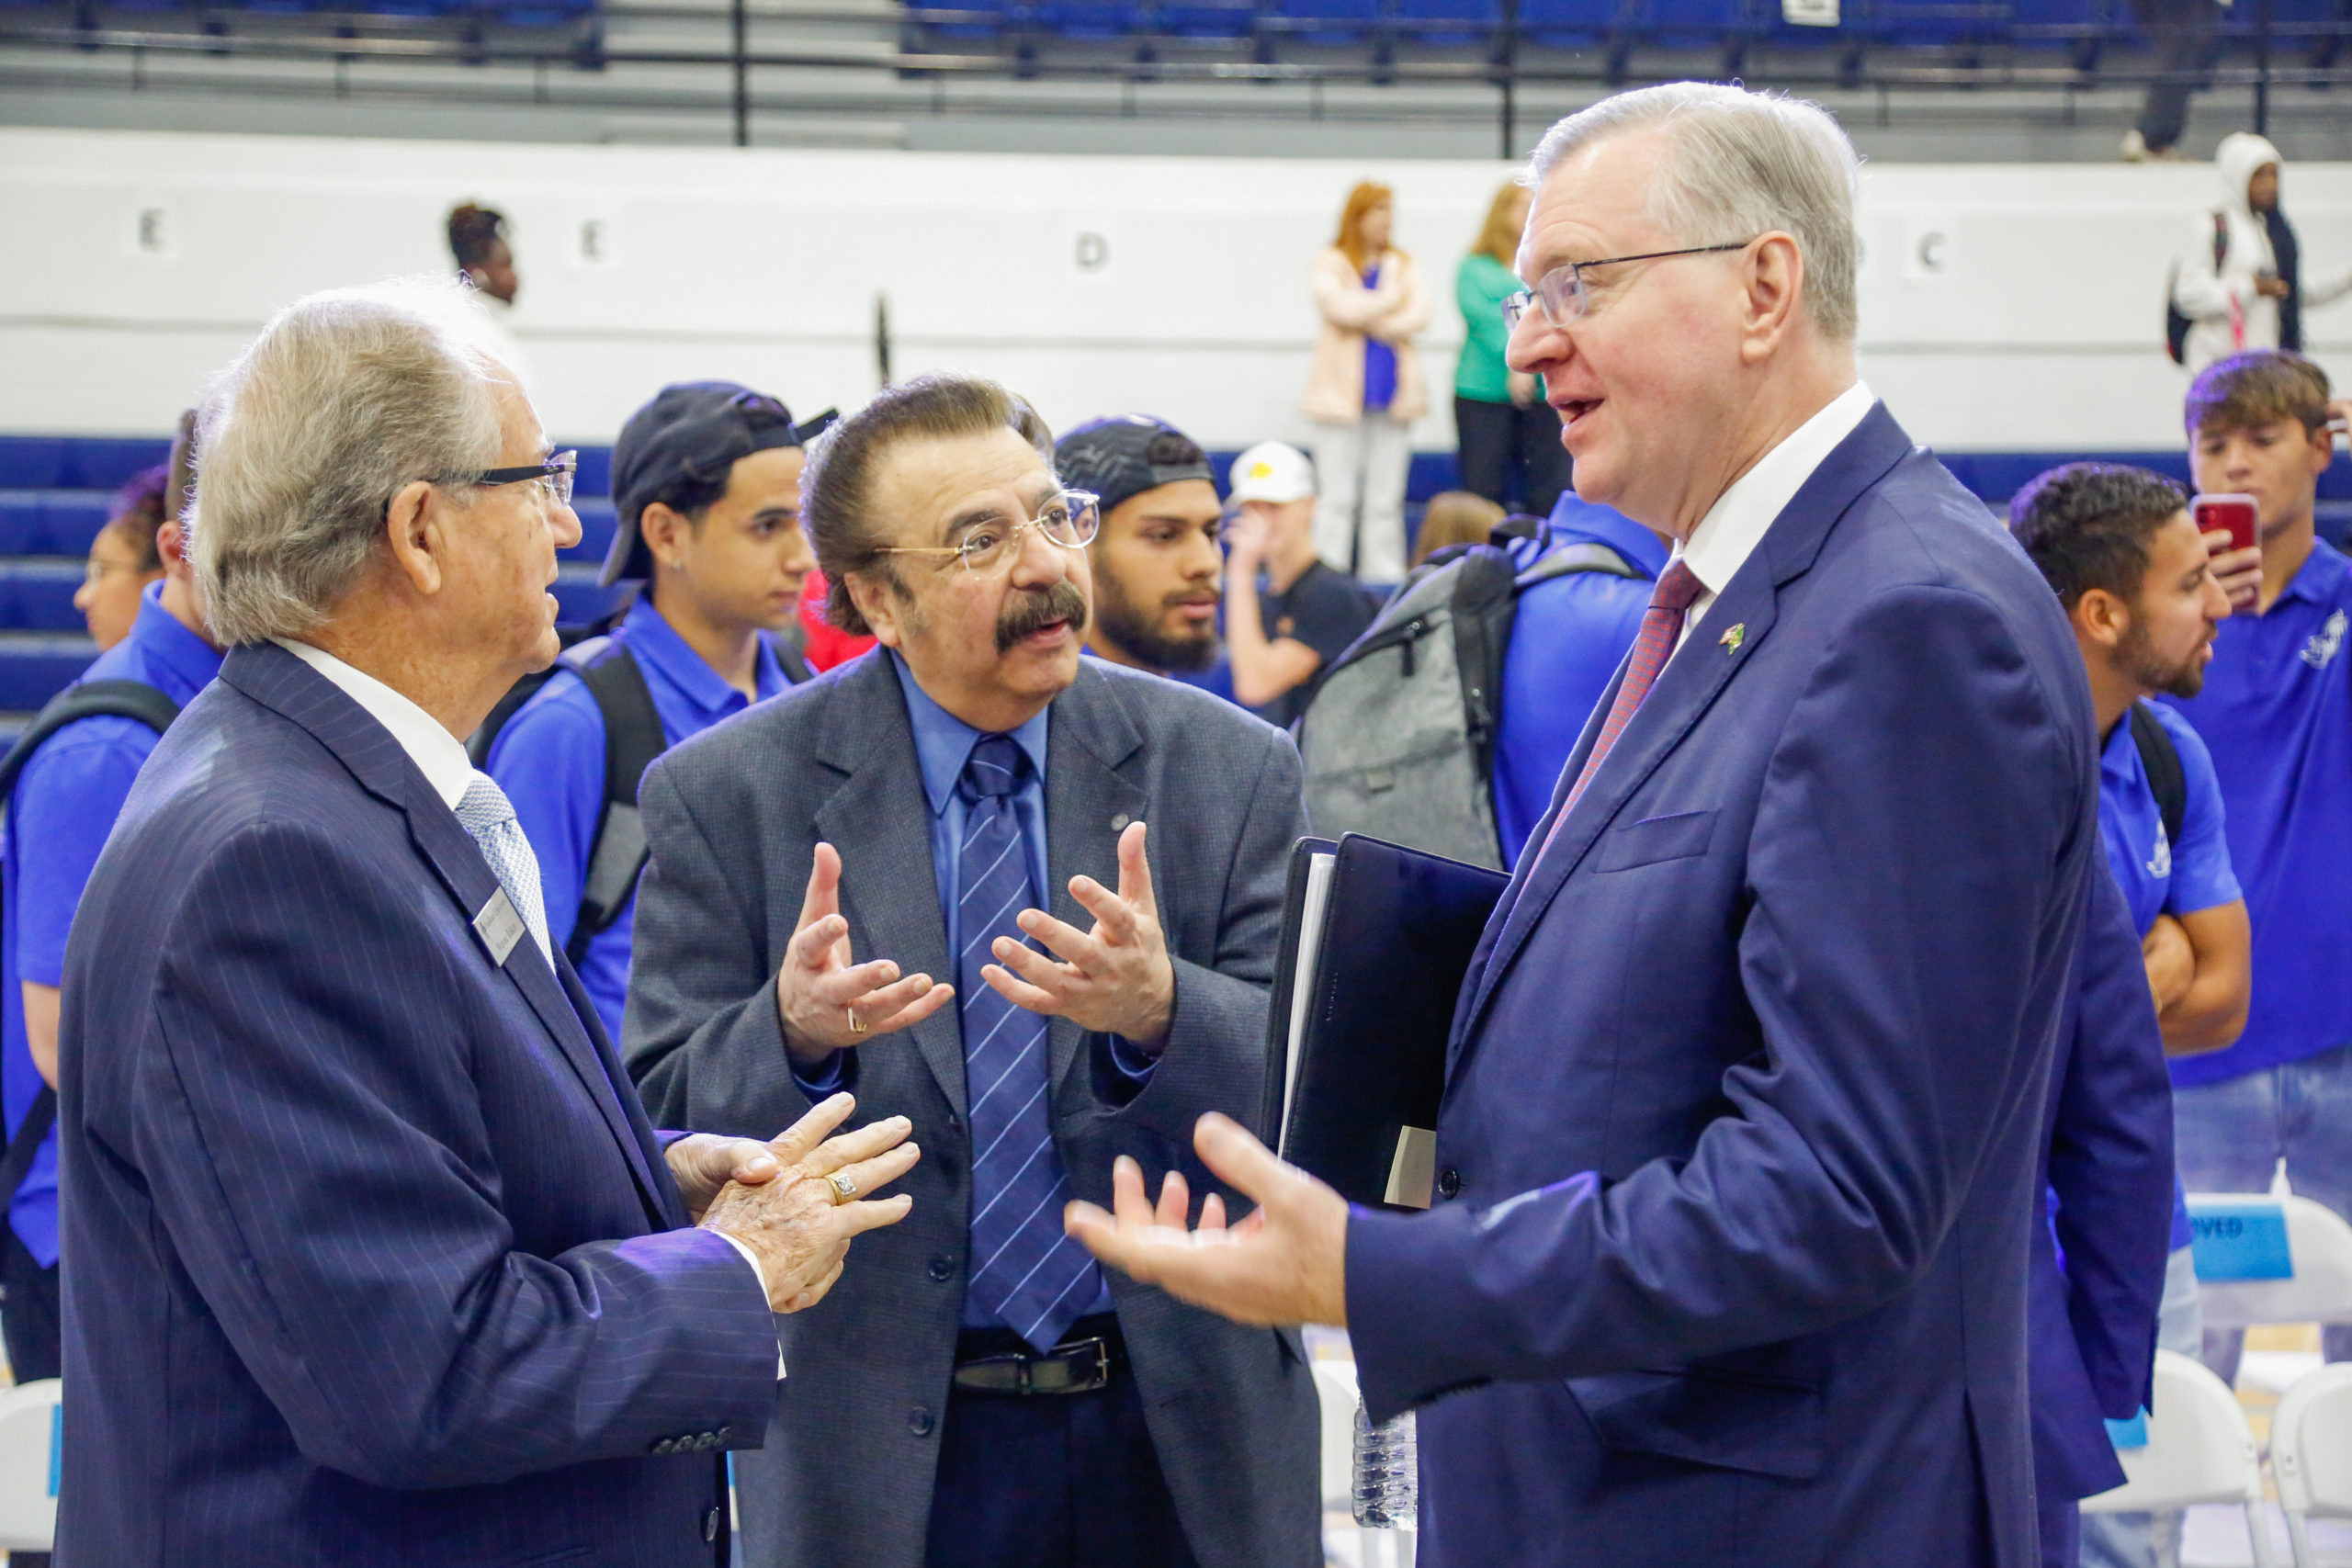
pixel 1364 389
pixel 2249 299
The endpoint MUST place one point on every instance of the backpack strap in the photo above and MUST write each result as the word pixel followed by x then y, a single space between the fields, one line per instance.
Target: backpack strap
pixel 31 1133
pixel 633 738
pixel 1587 557
pixel 2159 758
pixel 91 699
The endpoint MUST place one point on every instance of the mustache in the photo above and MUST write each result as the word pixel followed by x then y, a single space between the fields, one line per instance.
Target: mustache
pixel 1029 610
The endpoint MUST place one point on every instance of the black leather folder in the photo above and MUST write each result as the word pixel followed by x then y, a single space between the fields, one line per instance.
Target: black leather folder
pixel 1375 941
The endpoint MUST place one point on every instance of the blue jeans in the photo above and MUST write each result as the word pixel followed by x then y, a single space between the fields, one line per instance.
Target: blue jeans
pixel 2230 1135
pixel 2152 1540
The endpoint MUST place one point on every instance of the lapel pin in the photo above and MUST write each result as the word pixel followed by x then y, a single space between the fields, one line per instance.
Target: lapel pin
pixel 1735 636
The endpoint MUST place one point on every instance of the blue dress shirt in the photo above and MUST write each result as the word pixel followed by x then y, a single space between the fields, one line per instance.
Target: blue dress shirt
pixel 66 802
pixel 550 761
pixel 2277 716
pixel 1566 640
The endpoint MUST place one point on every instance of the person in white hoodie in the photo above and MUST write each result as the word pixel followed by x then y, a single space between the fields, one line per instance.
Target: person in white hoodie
pixel 2241 281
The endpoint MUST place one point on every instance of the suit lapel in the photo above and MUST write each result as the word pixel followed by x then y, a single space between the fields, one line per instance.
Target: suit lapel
pixel 277 679
pixel 1693 678
pixel 880 821
pixel 1088 805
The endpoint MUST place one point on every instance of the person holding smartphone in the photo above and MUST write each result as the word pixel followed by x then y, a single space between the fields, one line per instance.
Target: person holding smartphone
pixel 2276 714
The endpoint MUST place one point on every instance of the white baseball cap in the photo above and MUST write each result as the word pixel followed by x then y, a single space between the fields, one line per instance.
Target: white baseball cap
pixel 1272 471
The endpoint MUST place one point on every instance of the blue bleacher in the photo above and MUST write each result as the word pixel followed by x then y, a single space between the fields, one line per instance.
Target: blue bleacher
pixel 1568 24
pixel 1206 19
pixel 1331 22
pixel 1448 23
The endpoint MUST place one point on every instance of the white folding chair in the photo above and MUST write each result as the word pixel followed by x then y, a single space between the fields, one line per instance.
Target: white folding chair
pixel 28 1462
pixel 2317 1286
pixel 2200 1451
pixel 2311 1454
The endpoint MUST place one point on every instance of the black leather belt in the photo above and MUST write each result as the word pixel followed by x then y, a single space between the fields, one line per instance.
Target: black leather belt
pixel 987 1363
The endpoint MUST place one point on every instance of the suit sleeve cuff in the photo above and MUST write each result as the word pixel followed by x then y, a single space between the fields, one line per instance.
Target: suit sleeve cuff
pixel 761 1273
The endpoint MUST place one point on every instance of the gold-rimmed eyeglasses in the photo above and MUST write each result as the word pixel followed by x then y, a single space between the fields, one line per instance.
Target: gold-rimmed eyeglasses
pixel 1565 295
pixel 1071 519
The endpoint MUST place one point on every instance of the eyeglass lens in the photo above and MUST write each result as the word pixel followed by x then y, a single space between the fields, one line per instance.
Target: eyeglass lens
pixel 1068 520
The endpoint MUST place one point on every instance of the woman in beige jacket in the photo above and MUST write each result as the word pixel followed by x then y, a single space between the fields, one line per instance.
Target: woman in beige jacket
pixel 1364 388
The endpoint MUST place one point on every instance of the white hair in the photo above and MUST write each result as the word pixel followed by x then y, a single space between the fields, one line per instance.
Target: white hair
pixel 1738 165
pixel 344 396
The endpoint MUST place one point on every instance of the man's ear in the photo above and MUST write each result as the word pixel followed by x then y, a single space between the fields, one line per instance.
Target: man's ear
pixel 2102 618
pixel 416 533
pixel 659 526
pixel 2323 449
pixel 880 604
pixel 171 546
pixel 1773 282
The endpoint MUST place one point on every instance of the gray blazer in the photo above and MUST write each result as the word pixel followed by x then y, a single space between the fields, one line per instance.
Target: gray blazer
pixel 734 816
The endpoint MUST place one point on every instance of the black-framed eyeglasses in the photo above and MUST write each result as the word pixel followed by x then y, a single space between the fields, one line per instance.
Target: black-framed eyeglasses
pixel 555 473
pixel 1071 519
pixel 1563 291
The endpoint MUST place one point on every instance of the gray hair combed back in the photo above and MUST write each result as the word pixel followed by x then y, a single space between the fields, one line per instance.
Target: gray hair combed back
pixel 1740 165
pixel 837 486
pixel 343 398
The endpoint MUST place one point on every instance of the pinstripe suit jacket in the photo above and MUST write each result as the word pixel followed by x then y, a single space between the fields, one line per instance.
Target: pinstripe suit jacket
pixel 370 1257
pixel 734 816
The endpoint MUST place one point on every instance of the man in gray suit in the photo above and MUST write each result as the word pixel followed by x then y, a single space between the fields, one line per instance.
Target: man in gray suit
pixel 849 887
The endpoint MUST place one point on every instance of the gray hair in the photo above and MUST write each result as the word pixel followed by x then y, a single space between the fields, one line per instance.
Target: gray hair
pixel 1740 164
pixel 343 398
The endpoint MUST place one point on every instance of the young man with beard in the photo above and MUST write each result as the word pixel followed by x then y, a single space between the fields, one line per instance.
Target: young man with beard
pixel 2118 547
pixel 1156 561
pixel 2276 714
pixel 925 876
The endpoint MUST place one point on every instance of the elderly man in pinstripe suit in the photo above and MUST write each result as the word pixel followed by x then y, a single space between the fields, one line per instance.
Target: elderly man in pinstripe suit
pixel 923 876
pixel 374 1258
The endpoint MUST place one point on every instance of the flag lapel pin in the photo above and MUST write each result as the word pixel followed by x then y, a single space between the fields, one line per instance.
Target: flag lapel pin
pixel 1735 636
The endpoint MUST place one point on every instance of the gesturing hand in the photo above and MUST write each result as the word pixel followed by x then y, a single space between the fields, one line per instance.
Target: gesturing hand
pixel 819 991
pixel 702 1163
pixel 1285 1263
pixel 795 1221
pixel 1116 979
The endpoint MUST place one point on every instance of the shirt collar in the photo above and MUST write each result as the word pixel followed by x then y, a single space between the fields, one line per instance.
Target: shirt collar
pixel 1736 524
pixel 438 755
pixel 2320 579
pixel 654 641
pixel 171 650
pixel 944 742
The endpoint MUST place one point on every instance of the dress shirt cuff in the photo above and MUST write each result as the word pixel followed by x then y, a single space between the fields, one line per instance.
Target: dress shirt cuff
pixel 1134 1062
pixel 759 1271
pixel 825 1078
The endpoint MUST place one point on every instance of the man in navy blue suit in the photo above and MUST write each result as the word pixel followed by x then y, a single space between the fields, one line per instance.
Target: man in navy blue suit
pixel 376 1258
pixel 1737 1161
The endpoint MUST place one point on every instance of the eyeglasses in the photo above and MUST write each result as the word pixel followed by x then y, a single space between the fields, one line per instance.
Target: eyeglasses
pixel 1563 294
pixel 1070 519
pixel 556 474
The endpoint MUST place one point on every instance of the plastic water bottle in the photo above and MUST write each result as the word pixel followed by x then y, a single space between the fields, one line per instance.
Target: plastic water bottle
pixel 1388 1473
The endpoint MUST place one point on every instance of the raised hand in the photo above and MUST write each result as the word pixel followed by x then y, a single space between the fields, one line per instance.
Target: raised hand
pixel 799 1220
pixel 1285 1263
pixel 825 1002
pixel 1116 979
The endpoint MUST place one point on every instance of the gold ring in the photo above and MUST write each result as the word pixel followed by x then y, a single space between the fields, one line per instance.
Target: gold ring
pixel 857 1024
pixel 845 1188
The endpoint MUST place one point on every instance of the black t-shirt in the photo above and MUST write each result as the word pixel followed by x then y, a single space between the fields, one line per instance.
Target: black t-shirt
pixel 1325 610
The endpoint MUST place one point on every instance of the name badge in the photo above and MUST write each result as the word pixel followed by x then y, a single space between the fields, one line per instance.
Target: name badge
pixel 499 926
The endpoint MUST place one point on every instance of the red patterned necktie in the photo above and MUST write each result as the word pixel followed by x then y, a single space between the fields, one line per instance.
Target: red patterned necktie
pixel 1661 629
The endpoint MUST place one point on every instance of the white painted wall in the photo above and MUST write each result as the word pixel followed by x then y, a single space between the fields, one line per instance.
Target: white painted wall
pixel 133 265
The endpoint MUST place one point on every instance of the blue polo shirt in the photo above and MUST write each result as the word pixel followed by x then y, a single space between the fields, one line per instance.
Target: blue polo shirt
pixel 1569 637
pixel 2277 716
pixel 550 761
pixel 64 805
pixel 2159 877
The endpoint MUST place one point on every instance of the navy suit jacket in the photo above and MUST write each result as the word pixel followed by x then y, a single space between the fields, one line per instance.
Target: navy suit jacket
pixel 2098 1266
pixel 1742 1114
pixel 372 1258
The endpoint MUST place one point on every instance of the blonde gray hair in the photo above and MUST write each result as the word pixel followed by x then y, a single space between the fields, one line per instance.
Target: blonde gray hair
pixel 343 398
pixel 1740 164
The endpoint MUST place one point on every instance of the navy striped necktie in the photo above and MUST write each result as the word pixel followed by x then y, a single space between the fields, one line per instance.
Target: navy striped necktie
pixel 1026 1272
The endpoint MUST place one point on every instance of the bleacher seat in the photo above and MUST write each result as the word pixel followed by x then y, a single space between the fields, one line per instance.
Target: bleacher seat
pixel 1568 24
pixel 1330 22
pixel 1448 23
pixel 29 1465
pixel 1207 19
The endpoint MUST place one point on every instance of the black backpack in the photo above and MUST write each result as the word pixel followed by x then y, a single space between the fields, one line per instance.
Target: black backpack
pixel 91 699
pixel 2159 758
pixel 633 738
pixel 2176 325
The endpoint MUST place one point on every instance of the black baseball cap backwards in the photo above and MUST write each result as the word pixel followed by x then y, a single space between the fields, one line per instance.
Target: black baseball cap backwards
pixel 689 436
pixel 1121 457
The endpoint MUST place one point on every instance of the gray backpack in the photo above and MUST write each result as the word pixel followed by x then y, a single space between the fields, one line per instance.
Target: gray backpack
pixel 1399 737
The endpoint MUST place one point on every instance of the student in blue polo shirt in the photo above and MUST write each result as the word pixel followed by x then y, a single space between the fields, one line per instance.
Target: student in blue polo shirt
pixel 58 818
pixel 707 483
pixel 1568 637
pixel 2117 547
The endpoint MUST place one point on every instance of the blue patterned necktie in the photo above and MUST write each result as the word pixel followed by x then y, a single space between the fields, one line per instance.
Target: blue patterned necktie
pixel 485 812
pixel 1026 1272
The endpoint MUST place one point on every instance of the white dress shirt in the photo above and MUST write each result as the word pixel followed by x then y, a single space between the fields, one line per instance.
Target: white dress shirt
pixel 1736 524
pixel 441 758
